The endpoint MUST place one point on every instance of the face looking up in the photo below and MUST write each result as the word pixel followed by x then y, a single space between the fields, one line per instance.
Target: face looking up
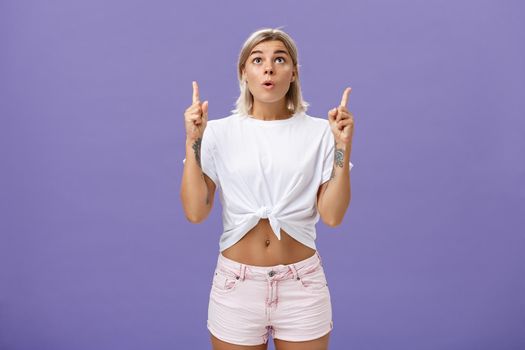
pixel 269 70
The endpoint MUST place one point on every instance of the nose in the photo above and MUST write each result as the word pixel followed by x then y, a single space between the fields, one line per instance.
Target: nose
pixel 268 70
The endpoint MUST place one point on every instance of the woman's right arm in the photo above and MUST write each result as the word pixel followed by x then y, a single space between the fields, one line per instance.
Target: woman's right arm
pixel 197 189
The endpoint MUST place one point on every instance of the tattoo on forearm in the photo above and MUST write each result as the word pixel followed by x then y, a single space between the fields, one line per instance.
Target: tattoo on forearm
pixel 197 150
pixel 339 157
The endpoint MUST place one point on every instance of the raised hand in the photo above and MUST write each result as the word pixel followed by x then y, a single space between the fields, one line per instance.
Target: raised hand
pixel 196 116
pixel 342 121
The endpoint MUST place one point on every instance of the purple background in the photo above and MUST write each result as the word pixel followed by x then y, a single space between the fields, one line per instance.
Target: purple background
pixel 95 251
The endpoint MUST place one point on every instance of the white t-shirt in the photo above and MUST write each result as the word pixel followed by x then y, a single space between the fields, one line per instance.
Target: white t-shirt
pixel 268 169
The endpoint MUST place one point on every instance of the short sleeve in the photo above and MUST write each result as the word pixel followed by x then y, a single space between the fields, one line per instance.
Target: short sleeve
pixel 207 157
pixel 328 146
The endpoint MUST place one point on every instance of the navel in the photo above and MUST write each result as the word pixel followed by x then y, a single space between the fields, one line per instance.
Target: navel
pixel 267 242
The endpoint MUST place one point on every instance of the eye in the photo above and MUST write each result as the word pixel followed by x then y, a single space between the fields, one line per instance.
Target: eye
pixel 256 60
pixel 280 58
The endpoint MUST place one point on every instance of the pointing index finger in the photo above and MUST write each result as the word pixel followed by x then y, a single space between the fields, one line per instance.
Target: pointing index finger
pixel 346 94
pixel 195 92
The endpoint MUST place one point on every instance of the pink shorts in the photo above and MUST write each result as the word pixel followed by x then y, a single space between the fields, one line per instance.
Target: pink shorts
pixel 250 303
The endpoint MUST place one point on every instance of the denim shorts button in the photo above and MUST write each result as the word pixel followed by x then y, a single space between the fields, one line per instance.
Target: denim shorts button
pixel 271 273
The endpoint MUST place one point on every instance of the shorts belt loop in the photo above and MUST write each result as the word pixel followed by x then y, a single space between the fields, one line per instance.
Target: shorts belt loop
pixel 242 273
pixel 295 274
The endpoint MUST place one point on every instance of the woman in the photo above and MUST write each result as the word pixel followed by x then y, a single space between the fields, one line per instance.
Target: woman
pixel 277 170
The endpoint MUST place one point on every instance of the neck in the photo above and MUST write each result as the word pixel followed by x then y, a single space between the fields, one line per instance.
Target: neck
pixel 270 111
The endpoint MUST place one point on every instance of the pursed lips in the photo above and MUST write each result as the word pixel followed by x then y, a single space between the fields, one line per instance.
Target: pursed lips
pixel 268 84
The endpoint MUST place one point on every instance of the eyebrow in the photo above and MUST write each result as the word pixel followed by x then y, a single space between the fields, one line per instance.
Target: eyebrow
pixel 275 52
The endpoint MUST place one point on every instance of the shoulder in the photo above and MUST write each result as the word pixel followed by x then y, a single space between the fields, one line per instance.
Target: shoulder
pixel 221 124
pixel 320 131
pixel 317 124
pixel 315 121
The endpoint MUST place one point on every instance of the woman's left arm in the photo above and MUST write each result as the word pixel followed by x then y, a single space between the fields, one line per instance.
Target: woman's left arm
pixel 333 197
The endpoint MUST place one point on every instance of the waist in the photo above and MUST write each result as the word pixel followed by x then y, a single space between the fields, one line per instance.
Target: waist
pixel 260 247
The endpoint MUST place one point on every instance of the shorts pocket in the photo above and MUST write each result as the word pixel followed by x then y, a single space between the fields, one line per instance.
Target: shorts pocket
pixel 224 281
pixel 314 281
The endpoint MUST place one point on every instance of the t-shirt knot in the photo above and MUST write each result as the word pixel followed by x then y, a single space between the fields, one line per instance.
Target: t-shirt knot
pixel 263 212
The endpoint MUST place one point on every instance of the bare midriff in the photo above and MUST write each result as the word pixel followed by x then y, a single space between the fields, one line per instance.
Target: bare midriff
pixel 261 247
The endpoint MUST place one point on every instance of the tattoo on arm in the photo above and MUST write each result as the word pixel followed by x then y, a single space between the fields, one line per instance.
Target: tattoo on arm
pixel 339 157
pixel 197 150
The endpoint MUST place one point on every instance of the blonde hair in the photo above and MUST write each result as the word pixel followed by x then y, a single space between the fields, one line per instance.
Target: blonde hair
pixel 294 98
